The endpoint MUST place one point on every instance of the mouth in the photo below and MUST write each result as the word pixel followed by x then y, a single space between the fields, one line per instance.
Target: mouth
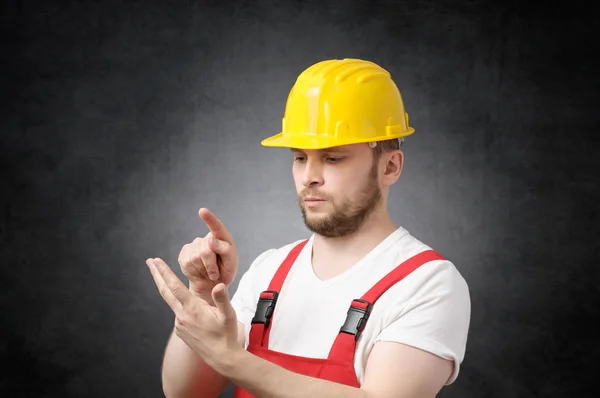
pixel 313 199
pixel 312 202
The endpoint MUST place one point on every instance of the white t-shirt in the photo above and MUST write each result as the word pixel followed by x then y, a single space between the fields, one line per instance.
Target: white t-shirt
pixel 429 309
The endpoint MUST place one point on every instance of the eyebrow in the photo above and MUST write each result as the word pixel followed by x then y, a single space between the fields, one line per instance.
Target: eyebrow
pixel 333 149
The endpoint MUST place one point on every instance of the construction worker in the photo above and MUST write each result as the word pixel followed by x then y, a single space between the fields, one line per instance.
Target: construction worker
pixel 361 308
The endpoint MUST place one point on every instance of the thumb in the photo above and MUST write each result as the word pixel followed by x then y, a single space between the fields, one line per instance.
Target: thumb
pixel 220 296
pixel 219 246
pixel 222 248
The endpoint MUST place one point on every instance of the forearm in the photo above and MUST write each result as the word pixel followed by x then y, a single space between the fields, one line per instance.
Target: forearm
pixel 185 374
pixel 264 379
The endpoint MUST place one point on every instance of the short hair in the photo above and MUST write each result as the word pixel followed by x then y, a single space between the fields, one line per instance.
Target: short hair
pixel 386 146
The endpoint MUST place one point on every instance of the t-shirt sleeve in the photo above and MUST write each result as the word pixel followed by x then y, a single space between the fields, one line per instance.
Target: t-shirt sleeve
pixel 245 298
pixel 436 318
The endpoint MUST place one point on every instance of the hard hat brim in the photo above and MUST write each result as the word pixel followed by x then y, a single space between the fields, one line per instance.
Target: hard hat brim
pixel 312 141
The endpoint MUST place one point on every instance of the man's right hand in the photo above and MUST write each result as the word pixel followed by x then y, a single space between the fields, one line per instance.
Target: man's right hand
pixel 211 260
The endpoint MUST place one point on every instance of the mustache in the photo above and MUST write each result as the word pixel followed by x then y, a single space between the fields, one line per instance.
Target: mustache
pixel 313 193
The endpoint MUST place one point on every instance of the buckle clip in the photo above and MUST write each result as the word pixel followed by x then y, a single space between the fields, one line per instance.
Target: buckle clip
pixel 356 319
pixel 265 308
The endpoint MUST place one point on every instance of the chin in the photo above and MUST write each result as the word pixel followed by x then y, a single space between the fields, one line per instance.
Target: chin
pixel 316 213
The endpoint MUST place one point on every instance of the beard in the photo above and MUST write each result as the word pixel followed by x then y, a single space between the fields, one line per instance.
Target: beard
pixel 347 216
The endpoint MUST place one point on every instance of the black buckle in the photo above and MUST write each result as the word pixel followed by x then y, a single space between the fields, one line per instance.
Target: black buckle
pixel 356 319
pixel 265 308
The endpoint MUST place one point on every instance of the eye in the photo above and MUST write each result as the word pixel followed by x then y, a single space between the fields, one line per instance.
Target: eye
pixel 298 158
pixel 332 159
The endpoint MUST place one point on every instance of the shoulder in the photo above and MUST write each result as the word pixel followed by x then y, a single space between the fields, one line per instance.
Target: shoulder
pixel 436 289
pixel 438 274
pixel 266 263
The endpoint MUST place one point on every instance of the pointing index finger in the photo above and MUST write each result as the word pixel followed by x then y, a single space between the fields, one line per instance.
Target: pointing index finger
pixel 215 226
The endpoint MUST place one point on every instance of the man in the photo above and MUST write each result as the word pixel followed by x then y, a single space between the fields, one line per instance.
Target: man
pixel 360 309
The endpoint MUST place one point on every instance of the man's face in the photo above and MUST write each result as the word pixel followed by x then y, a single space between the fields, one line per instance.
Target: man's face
pixel 337 188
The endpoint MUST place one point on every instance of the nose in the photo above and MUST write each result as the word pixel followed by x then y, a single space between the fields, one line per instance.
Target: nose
pixel 313 172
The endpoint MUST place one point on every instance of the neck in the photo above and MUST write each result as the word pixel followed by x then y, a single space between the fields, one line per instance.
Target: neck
pixel 374 230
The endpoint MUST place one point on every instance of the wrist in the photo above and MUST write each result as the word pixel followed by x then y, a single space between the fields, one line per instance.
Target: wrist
pixel 232 361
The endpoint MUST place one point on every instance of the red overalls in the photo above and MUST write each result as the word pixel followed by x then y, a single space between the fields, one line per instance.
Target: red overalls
pixel 339 366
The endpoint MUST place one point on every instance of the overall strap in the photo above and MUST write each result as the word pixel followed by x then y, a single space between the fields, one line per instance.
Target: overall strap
pixel 344 345
pixel 263 317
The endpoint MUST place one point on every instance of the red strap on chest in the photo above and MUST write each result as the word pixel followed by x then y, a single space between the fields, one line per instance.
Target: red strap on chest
pixel 344 345
pixel 260 328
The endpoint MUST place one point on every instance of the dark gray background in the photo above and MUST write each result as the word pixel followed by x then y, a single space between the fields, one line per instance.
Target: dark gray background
pixel 121 119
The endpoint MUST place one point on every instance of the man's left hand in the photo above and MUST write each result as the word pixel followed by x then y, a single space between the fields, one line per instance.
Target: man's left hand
pixel 211 332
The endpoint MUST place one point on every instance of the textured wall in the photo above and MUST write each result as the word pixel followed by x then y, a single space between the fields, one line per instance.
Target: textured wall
pixel 121 119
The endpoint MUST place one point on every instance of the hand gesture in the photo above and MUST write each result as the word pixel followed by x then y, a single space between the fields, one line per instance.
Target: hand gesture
pixel 211 260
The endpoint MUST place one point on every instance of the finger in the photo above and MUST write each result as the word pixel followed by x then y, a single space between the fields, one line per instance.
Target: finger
pixel 219 246
pixel 208 260
pixel 163 289
pixel 192 259
pixel 173 285
pixel 227 254
pixel 215 225
pixel 222 301
pixel 197 264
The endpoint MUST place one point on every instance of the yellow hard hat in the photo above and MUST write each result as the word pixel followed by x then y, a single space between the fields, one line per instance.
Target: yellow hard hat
pixel 342 102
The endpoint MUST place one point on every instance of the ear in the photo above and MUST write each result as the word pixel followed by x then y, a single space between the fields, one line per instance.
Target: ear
pixel 393 167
